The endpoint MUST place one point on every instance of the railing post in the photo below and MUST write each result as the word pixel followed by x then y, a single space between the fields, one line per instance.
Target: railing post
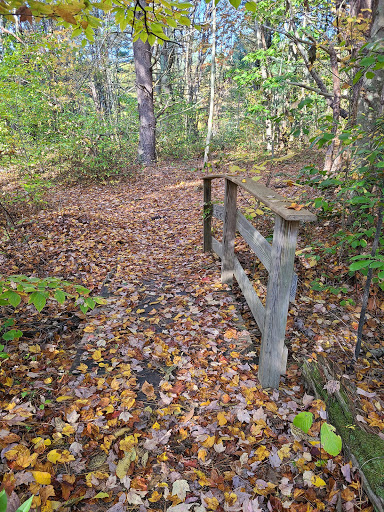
pixel 273 353
pixel 207 212
pixel 229 233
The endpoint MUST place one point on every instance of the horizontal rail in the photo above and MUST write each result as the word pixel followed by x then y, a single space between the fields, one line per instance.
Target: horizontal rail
pixel 277 203
pixel 255 240
pixel 253 301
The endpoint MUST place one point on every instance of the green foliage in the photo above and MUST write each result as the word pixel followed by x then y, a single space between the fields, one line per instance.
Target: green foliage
pixel 24 507
pixel 303 421
pixel 330 441
pixel 19 290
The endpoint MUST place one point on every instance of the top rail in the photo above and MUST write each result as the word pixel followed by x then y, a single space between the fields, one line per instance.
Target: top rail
pixel 277 203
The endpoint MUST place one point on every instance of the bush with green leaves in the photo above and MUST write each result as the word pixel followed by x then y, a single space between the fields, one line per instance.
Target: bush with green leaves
pixel 20 290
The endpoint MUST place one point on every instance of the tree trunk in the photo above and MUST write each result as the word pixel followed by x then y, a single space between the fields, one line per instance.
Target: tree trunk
pixel 144 87
pixel 212 96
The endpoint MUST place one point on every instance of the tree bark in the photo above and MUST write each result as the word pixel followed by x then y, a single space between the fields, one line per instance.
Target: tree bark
pixel 144 87
pixel 213 76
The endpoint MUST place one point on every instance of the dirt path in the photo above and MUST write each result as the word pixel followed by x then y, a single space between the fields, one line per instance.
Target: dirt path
pixel 157 405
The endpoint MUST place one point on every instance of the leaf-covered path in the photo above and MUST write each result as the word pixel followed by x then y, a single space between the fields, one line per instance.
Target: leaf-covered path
pixel 153 402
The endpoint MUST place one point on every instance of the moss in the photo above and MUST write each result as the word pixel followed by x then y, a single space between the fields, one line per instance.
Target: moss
pixel 367 448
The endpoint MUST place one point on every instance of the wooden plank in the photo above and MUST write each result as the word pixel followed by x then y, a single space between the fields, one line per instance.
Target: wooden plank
pixel 229 233
pixel 277 203
pixel 272 351
pixel 207 212
pixel 255 240
pixel 217 247
pixel 253 301
pixel 218 211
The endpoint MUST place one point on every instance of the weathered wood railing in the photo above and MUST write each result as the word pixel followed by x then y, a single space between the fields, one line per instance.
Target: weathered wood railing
pixel 277 258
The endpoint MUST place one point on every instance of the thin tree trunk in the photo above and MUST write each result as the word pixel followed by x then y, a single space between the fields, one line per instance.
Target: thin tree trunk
pixel 330 163
pixel 144 86
pixel 213 76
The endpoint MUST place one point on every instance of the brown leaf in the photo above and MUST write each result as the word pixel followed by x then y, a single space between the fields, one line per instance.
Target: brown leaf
pixel 25 13
pixel 148 390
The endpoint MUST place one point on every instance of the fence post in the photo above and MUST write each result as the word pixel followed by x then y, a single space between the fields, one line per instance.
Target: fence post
pixel 229 233
pixel 207 212
pixel 273 352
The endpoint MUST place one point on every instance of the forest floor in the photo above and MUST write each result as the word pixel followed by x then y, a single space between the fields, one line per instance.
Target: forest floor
pixel 151 401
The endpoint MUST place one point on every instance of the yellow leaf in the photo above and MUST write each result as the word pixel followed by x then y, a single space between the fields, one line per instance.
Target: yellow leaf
pixel 212 503
pixel 202 453
pixel 284 451
pixel 63 398
pixel 42 477
pixel 261 453
pixel 163 457
pixel 244 181
pixel 203 480
pixel 183 433
pixel 209 442
pixel 96 356
pixel 221 419
pixel 317 481
pixel 123 466
pixel 54 456
pixel 156 496
pixel 68 430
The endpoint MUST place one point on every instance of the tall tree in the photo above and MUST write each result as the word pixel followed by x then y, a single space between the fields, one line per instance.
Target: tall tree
pixel 144 86
pixel 212 85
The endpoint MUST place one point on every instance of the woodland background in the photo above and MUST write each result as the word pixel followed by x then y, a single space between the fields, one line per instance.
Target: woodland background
pixel 103 104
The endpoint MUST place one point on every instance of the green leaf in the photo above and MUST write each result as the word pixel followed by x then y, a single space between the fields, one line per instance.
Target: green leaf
pixel 81 289
pixel 90 302
pixel 369 75
pixel 357 265
pixel 12 335
pixel 13 298
pixel 235 3
pixel 3 501
pixel 183 20
pixel 38 299
pixel 330 441
pixel 151 39
pixel 303 421
pixel 26 505
pixel 367 61
pixel 251 6
pixel 381 275
pixel 60 296
pixel 100 495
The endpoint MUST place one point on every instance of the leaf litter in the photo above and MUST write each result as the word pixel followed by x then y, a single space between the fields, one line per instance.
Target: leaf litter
pixel 152 402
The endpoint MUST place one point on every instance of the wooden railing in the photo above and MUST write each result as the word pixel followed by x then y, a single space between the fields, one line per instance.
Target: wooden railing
pixel 277 258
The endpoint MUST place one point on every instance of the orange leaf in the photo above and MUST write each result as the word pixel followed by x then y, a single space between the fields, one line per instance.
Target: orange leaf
pixel 148 390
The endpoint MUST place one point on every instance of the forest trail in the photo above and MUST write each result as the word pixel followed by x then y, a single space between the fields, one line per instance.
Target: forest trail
pixel 156 404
